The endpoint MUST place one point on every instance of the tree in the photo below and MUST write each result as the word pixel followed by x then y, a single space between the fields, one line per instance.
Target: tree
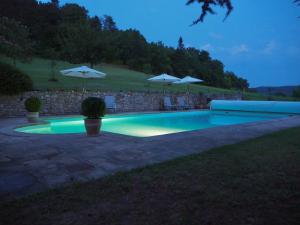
pixel 73 14
pixel 111 49
pixel 13 81
pixel 160 58
pixel 179 60
pixel 179 63
pixel 296 92
pixel 298 3
pixel 55 3
pixel 45 29
pixel 232 81
pixel 207 7
pixel 280 94
pixel 24 11
pixel 204 56
pixel 216 73
pixel 109 24
pixel 14 40
pixel 40 18
pixel 96 23
pixel 81 44
pixel 180 44
pixel 194 61
pixel 134 49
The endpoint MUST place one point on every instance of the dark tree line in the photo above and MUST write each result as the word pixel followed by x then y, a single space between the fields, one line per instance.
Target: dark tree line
pixel 296 92
pixel 67 32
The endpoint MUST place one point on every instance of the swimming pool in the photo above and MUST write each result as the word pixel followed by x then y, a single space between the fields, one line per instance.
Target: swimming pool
pixel 152 124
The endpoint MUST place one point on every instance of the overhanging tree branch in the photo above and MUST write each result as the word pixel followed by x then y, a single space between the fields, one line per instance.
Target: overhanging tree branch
pixel 298 3
pixel 207 7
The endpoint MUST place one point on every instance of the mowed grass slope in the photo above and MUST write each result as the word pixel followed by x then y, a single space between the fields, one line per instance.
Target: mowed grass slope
pixel 254 182
pixel 119 78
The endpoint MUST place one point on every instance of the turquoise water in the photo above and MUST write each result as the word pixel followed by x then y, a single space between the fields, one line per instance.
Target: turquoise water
pixel 146 125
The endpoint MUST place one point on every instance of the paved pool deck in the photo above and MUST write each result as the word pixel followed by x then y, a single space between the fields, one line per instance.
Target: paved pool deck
pixel 31 163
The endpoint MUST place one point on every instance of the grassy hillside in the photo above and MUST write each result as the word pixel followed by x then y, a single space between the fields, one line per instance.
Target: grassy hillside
pixel 119 78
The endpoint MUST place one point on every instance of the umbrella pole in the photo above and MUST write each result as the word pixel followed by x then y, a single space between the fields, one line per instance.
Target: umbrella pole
pixel 82 96
pixel 188 93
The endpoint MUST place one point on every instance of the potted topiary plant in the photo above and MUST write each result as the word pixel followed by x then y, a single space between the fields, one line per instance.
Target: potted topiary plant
pixel 93 109
pixel 33 106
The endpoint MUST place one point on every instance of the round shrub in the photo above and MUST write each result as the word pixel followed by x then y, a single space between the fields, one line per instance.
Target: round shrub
pixel 33 104
pixel 93 108
pixel 13 81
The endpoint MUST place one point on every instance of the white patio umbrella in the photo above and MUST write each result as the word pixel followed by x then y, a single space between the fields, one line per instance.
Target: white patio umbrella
pixel 164 78
pixel 83 72
pixel 188 80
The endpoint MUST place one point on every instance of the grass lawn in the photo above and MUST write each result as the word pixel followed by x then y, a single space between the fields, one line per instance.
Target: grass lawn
pixel 253 182
pixel 119 79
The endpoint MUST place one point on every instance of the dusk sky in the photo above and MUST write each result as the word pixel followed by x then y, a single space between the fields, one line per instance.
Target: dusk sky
pixel 260 44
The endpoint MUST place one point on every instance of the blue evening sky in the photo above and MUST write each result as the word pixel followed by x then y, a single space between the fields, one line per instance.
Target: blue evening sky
pixel 260 44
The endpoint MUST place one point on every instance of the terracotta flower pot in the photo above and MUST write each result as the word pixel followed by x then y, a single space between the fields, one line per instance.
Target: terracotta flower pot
pixel 33 117
pixel 92 127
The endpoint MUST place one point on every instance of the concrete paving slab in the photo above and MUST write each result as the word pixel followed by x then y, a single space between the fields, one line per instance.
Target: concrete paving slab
pixel 14 182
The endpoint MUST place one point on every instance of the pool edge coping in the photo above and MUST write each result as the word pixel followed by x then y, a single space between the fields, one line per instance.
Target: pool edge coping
pixel 10 130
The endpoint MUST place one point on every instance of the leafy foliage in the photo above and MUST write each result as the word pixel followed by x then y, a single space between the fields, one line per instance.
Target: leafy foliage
pixel 13 81
pixel 296 92
pixel 14 39
pixel 96 23
pixel 160 59
pixel 207 7
pixel 298 3
pixel 232 81
pixel 109 24
pixel 73 14
pixel 33 104
pixel 81 43
pixel 93 108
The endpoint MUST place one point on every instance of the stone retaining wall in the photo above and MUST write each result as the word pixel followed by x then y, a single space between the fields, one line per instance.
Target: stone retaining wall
pixel 68 102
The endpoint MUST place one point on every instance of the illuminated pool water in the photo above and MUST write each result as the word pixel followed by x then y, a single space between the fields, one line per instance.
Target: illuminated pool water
pixel 146 125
